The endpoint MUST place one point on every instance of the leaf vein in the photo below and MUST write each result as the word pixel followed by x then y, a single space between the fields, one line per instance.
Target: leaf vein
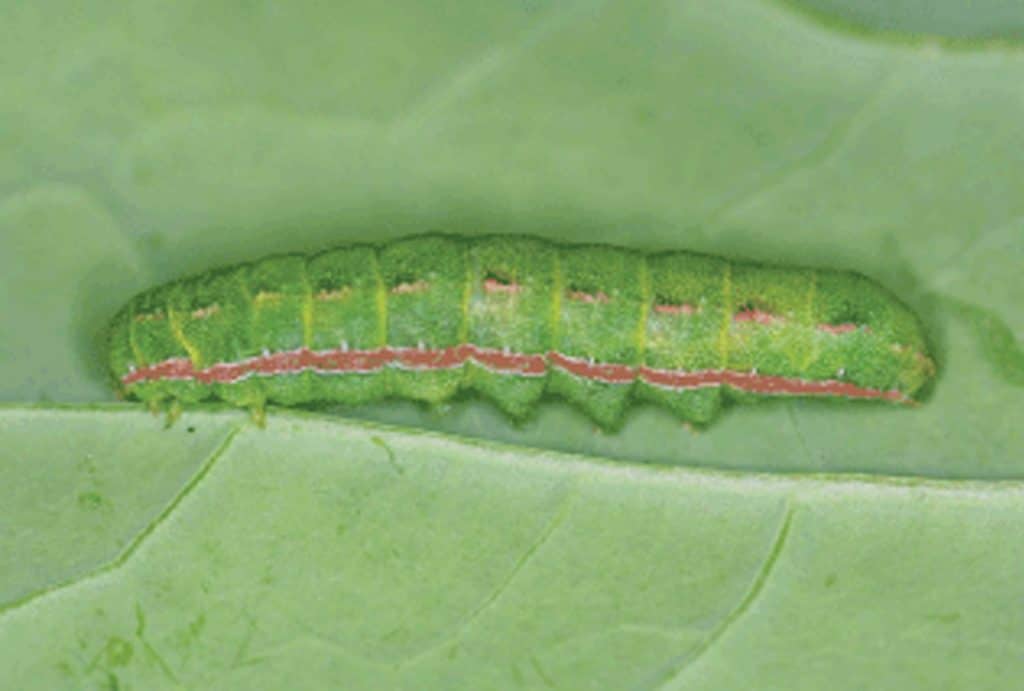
pixel 136 542
pixel 491 61
pixel 678 666
pixel 542 538
pixel 817 156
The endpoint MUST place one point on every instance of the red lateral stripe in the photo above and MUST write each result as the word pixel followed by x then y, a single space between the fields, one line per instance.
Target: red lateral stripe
pixel 771 384
pixel 678 379
pixel 340 361
pixel 174 368
pixel 424 359
pixel 507 362
pixel 762 383
pixel 603 372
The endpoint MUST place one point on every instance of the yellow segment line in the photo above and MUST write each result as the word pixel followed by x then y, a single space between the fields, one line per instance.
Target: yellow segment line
pixel 140 359
pixel 727 309
pixel 811 344
pixel 556 299
pixel 174 319
pixel 645 306
pixel 382 301
pixel 466 294
pixel 307 310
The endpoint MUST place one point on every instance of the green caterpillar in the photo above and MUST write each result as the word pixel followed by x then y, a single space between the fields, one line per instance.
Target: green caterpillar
pixel 514 318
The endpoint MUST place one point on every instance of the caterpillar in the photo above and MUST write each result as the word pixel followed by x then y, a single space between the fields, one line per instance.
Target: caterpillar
pixel 515 318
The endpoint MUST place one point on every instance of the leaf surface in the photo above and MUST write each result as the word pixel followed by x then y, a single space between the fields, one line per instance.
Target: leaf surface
pixel 320 553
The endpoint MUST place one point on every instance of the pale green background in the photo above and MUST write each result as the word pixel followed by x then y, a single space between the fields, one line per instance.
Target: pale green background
pixel 791 545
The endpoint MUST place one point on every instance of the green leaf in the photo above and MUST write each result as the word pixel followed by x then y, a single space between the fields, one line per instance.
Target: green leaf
pixel 322 554
pixel 792 545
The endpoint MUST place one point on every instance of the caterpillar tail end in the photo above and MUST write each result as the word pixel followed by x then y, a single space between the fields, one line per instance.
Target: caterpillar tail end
pixel 919 379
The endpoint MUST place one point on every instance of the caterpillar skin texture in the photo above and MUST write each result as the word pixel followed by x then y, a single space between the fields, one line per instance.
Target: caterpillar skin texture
pixel 514 318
